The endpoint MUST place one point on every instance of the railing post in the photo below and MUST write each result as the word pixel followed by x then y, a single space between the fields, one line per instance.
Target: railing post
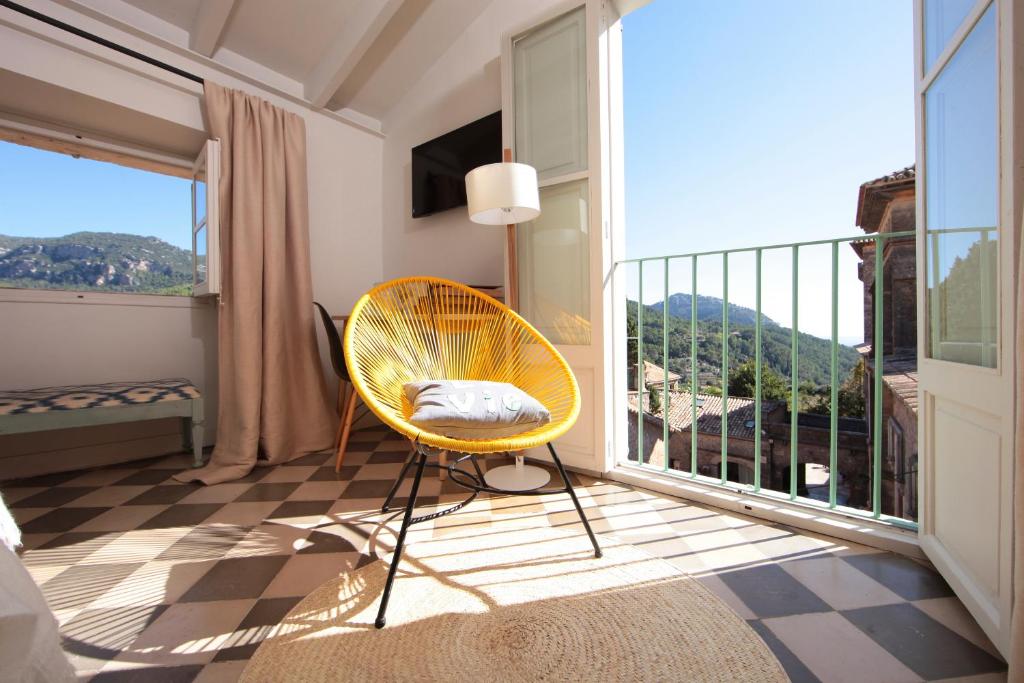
pixel 876 393
pixel 794 396
pixel 725 367
pixel 693 366
pixel 833 448
pixel 664 358
pixel 757 371
pixel 641 387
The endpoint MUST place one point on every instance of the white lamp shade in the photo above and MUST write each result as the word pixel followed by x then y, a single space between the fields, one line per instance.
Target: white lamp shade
pixel 500 194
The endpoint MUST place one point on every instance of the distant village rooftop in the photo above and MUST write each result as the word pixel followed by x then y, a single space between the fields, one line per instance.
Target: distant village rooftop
pixel 709 413
pixel 655 374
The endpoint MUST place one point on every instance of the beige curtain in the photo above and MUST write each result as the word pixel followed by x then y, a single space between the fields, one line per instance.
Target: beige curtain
pixel 272 403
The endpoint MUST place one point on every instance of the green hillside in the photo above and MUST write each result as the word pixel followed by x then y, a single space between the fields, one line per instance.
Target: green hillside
pixel 95 261
pixel 815 353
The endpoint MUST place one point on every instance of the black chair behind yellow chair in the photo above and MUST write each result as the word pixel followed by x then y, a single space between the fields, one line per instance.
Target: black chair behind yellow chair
pixel 347 396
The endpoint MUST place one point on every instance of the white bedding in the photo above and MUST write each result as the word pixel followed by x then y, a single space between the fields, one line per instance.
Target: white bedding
pixel 30 649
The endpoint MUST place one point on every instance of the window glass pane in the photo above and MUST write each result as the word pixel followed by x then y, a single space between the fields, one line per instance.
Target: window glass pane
pixel 941 20
pixel 82 225
pixel 199 247
pixel 199 192
pixel 961 202
pixel 550 67
pixel 554 265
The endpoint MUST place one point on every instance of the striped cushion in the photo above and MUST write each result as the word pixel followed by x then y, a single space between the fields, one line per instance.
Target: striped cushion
pixel 95 396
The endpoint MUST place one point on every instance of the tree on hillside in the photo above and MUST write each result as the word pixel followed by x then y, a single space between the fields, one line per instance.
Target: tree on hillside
pixel 654 401
pixel 850 398
pixel 776 346
pixel 742 382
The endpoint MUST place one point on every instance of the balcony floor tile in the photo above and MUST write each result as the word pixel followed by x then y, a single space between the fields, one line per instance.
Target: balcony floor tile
pixel 183 583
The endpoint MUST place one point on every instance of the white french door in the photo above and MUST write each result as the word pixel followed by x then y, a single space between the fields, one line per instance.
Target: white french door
pixel 553 118
pixel 967 227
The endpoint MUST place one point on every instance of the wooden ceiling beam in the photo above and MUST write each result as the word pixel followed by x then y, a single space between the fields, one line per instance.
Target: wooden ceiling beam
pixel 208 26
pixel 341 58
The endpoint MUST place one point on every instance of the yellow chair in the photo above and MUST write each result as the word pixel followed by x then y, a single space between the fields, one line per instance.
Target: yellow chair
pixel 421 328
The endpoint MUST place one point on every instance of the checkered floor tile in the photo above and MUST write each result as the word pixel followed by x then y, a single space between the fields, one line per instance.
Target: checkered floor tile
pixel 152 579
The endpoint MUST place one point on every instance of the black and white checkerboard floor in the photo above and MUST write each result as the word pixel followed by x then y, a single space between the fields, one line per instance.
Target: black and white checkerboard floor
pixel 152 579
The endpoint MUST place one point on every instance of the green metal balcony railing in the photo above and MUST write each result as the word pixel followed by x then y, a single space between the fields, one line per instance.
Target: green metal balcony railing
pixel 877 350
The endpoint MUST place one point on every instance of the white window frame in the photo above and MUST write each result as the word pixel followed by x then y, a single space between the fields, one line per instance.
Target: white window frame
pixel 54 139
pixel 208 160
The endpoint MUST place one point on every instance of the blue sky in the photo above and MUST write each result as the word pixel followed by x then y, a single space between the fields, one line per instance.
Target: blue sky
pixel 45 194
pixel 754 122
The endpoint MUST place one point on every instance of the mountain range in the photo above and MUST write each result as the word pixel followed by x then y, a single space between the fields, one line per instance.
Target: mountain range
pixel 95 261
pixel 710 308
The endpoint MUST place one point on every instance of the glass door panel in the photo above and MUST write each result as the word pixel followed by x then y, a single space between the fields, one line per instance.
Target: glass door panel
pixel 554 265
pixel 941 20
pixel 961 202
pixel 550 65
pixel 199 261
pixel 199 254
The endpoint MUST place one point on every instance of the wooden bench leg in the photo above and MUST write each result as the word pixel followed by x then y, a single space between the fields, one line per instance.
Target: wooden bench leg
pixel 197 432
pixel 186 434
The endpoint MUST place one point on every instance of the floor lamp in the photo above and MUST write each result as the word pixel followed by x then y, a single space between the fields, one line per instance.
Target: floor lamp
pixel 506 194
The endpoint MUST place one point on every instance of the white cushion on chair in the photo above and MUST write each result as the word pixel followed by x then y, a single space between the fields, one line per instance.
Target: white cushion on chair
pixel 474 409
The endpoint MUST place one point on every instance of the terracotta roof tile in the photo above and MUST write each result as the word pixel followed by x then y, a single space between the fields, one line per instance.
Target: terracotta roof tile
pixel 907 173
pixel 873 195
pixel 655 374
pixel 709 413
pixel 900 375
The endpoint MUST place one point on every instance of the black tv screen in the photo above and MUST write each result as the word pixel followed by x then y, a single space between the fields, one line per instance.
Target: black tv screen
pixel 439 167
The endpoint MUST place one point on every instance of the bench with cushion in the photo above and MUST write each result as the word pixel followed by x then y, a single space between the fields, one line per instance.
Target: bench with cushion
pixel 33 410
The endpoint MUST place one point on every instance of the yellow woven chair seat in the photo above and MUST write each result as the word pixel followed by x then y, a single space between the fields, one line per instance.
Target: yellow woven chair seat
pixel 425 328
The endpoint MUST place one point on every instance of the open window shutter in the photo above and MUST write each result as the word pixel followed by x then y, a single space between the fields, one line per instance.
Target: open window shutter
pixel 206 221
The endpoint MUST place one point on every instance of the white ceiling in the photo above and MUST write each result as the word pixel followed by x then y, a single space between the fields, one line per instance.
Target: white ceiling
pixel 358 55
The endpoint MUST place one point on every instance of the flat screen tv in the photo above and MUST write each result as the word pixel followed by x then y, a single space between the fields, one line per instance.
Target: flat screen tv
pixel 439 167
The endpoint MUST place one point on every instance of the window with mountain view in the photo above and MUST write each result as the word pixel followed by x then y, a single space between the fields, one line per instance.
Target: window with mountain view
pixel 70 223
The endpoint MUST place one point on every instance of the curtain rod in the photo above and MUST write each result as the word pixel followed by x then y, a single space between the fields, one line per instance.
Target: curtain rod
pixel 21 9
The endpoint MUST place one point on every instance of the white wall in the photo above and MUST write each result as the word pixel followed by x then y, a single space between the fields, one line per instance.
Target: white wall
pixel 70 341
pixel 463 85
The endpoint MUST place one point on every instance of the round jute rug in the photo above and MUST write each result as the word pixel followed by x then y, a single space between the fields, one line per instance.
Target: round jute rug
pixel 517 605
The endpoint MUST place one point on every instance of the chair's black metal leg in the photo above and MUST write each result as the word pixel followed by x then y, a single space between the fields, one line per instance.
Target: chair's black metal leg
pixel 575 500
pixel 476 466
pixel 398 482
pixel 401 541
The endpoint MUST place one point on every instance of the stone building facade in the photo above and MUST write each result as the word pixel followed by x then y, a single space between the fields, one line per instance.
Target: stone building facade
pixel 814 440
pixel 887 205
